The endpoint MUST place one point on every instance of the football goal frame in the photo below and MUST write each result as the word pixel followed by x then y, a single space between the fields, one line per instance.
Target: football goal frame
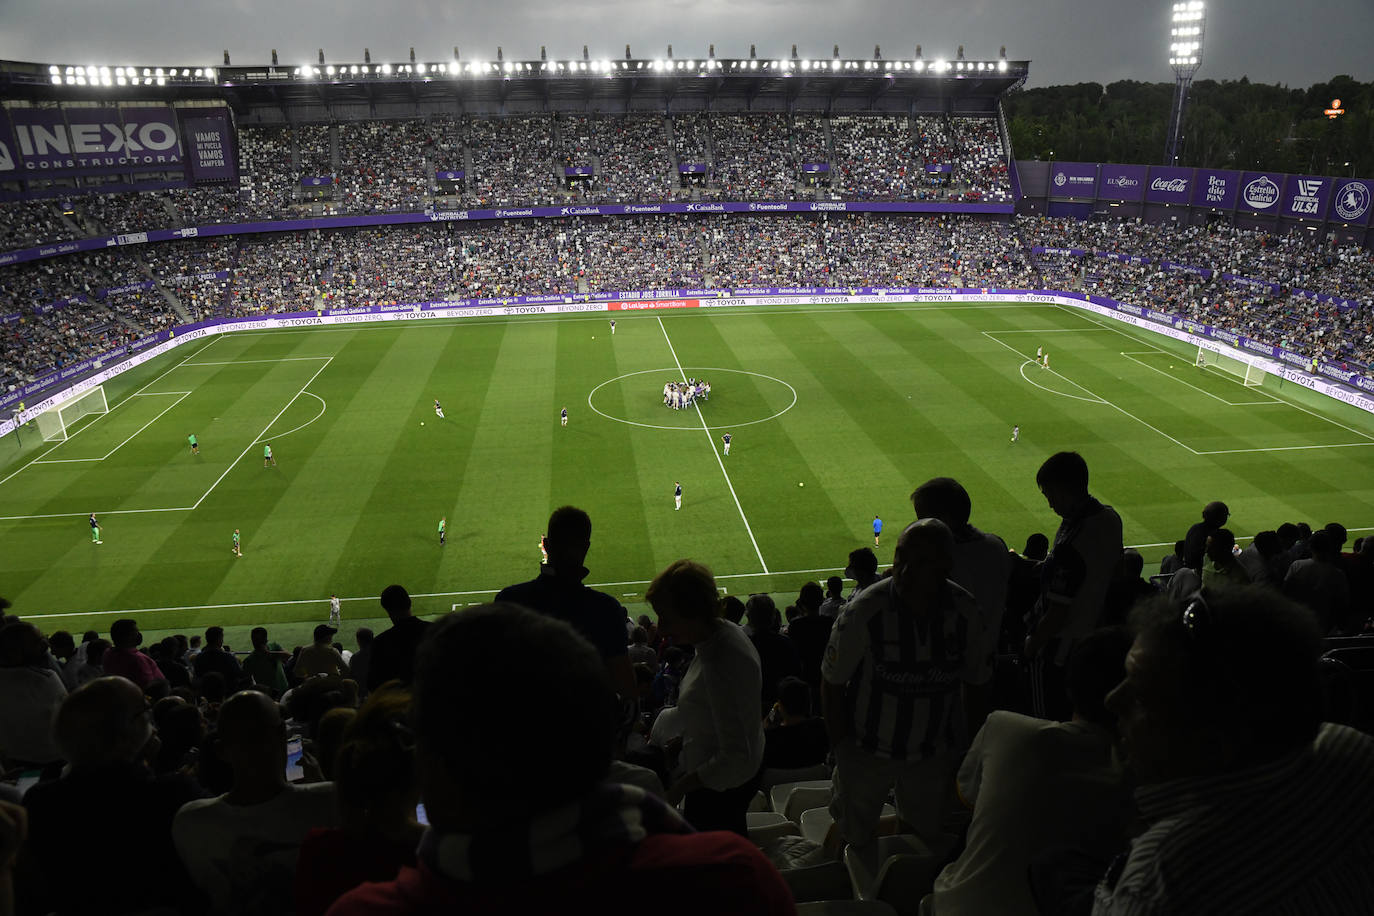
pixel 56 424
pixel 1250 375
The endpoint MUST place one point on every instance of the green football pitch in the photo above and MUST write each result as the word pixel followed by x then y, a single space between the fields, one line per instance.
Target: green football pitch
pixel 836 414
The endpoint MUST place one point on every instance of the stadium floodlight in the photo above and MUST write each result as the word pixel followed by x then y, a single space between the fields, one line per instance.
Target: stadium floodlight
pixel 1002 65
pixel 56 79
pixel 54 70
pixel 1187 28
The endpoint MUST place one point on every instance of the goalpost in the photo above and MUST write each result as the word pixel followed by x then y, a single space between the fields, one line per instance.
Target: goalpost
pixel 56 423
pixel 1251 376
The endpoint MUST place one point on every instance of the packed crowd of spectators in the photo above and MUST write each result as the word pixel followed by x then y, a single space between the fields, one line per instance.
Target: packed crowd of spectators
pixel 1268 310
pixel 32 222
pixel 754 158
pixel 382 166
pixel 692 137
pixel 512 161
pixel 1079 717
pixel 874 158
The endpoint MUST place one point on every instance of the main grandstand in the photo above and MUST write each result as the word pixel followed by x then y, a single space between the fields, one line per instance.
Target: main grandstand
pixel 297 261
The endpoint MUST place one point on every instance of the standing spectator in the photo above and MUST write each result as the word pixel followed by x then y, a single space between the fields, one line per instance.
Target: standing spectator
pixel 558 591
pixel 1128 588
pixel 1220 721
pixel 1171 564
pixel 793 738
pixel 777 657
pixel 125 855
pixel 359 664
pixel 862 568
pixel 810 631
pixel 320 657
pixel 722 743
pixel 1073 579
pixel 1214 516
pixel 509 833
pixel 170 664
pixel 640 652
pixel 1034 785
pixel 893 674
pixel 214 657
pixel 123 658
pixel 263 665
pixel 1319 583
pixel 32 693
pixel 1222 568
pixel 393 651
pixel 240 848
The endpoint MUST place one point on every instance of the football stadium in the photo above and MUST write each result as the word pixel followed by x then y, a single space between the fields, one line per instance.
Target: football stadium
pixel 740 380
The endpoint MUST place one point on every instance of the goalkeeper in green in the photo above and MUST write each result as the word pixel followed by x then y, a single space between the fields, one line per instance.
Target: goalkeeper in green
pixel 95 530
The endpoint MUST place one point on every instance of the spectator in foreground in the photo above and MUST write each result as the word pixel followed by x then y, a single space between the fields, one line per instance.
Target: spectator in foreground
pixel 894 672
pixel 123 658
pixel 393 651
pixel 718 703
pixel 1073 580
pixel 1214 516
pixel 509 833
pixel 215 658
pixel 32 692
pixel 1034 785
pixel 1251 803
pixel 241 847
pixel 125 857
pixel 374 777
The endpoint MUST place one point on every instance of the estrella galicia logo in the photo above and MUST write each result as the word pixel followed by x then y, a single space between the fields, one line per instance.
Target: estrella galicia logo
pixel 1262 193
pixel 1353 201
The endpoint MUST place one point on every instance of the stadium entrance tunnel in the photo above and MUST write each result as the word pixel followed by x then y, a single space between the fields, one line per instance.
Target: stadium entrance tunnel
pixel 738 398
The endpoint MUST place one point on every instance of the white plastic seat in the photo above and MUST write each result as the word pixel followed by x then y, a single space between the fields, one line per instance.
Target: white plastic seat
pixel 777 796
pixel 804 798
pixel 816 822
pixel 845 908
pixel 865 867
pixel 770 778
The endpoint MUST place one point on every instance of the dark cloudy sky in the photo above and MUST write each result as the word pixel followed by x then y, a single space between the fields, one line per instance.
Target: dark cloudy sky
pixel 1284 41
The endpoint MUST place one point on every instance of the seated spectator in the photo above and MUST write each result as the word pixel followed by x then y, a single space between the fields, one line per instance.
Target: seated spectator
pixel 1034 785
pixel 1170 564
pixel 509 833
pixel 1128 587
pixel 1222 569
pixel 862 568
pixel 92 666
pixel 108 818
pixel 1263 560
pixel 640 651
pixel 358 664
pixel 215 658
pixel 123 658
pixel 1220 721
pixel 32 693
pixel 792 736
pixel 374 776
pixel 180 730
pixel 170 664
pixel 1319 583
pixel 320 657
pixel 264 665
pixel 241 847
pixel 834 597
pixel 62 657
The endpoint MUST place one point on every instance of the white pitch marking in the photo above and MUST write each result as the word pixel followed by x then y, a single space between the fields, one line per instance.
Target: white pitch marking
pixel 712 439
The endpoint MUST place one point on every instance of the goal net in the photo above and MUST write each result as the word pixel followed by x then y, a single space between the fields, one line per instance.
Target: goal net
pixel 57 423
pixel 1251 376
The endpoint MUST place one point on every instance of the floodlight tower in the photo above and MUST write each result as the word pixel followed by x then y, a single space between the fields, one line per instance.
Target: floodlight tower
pixel 1186 28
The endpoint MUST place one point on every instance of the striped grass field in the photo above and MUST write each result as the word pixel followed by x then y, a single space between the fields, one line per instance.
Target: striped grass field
pixel 858 403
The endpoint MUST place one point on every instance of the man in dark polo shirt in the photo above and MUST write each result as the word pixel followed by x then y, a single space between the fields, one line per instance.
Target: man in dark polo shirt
pixel 393 651
pixel 558 592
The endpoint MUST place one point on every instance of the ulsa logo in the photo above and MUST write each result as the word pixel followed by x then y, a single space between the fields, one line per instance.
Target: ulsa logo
pixel 1353 201
pixel 1306 202
pixel 6 159
pixel 1262 193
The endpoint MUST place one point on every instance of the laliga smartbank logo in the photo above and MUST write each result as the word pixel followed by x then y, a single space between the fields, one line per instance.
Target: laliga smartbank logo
pixel 1261 194
pixel 1353 201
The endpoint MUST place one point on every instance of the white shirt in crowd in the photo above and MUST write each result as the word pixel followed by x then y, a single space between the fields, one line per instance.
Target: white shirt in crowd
pixel 718 709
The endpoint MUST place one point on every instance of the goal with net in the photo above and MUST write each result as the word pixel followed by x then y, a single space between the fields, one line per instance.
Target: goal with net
pixel 1251 376
pixel 57 423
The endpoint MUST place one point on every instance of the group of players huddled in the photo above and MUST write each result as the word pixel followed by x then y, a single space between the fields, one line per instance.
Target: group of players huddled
pixel 681 395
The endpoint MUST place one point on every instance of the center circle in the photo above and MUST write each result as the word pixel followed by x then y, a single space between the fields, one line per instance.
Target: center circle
pixel 721 393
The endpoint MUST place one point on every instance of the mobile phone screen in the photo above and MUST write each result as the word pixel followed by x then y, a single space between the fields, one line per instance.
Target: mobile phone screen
pixel 293 760
pixel 420 814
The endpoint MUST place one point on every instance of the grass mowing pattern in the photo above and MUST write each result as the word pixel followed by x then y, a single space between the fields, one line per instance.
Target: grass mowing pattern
pixel 885 396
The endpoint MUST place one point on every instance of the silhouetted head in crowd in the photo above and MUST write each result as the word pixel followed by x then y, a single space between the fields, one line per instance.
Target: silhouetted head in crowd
pixel 732 609
pixel 1216 513
pixel 1038 547
pixel 1336 531
pixel 252 740
pixel 95 652
pixel 762 614
pixel 1267 544
pixel 22 646
pixel 462 656
pixel 374 764
pixel 568 539
pixel 214 638
pixel 810 598
pixel 183 644
pixel 62 644
pixel 1228 681
pixel 171 649
pixel 193 643
pixel 328 736
pixel 686 600
pixel 639 637
pixel 124 634
pixel 1220 544
pixel 1095 667
pixel 258 637
pixel 180 727
pixel 364 636
pixel 396 602
pixel 943 498
pixel 863 566
pixel 834 587
pixel 212 687
pixel 1063 479
pixel 103 722
pixel 794 696
pixel 89 636
pixel 1304 531
pixel 922 560
pixel 157 689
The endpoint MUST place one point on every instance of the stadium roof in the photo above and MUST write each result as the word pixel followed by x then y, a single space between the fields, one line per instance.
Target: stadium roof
pixel 526 85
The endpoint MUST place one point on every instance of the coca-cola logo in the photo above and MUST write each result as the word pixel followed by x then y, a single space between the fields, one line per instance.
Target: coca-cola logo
pixel 1173 185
